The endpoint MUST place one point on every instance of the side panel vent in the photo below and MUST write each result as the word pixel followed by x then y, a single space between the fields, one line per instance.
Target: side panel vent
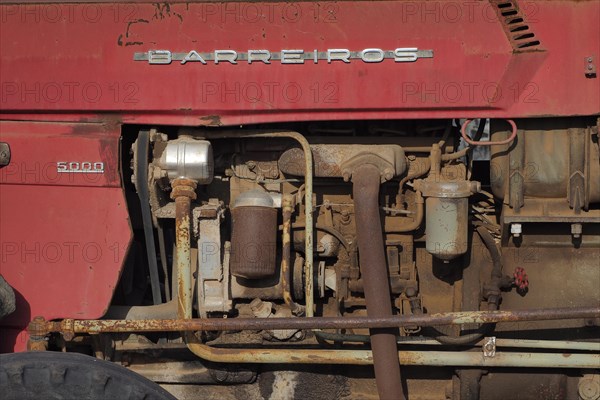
pixel 520 35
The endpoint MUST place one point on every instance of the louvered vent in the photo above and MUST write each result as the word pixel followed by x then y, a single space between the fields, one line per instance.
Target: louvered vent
pixel 515 26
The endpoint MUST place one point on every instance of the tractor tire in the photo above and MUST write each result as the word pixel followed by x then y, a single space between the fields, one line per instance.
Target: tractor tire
pixel 71 376
pixel 7 298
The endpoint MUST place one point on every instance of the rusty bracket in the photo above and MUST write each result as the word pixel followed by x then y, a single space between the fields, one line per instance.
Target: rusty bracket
pixel 489 347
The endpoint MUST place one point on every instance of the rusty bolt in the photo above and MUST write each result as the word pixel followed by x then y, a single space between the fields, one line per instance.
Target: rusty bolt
pixel 590 59
pixel 37 334
pixel 251 165
pixel 183 187
pixel 37 327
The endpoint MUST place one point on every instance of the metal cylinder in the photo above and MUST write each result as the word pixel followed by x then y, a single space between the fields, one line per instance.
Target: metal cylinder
pixel 446 221
pixel 190 158
pixel 366 181
pixel 253 236
pixel 447 216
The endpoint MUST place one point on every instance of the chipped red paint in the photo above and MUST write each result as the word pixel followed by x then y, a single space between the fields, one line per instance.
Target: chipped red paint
pixel 83 63
pixel 63 235
pixel 69 66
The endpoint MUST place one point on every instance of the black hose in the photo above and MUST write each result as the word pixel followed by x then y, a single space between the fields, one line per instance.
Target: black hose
pixel 492 288
pixel 345 337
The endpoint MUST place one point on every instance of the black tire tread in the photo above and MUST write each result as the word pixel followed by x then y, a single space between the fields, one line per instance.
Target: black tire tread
pixel 71 376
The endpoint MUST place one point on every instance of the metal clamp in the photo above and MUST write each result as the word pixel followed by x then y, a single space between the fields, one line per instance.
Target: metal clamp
pixel 489 346
pixel 463 132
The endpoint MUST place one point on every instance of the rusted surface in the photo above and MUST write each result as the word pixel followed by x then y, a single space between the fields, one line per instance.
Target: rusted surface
pixel 375 277
pixel 308 196
pixel 183 192
pixel 183 187
pixel 253 241
pixel 37 335
pixel 331 160
pixel 543 176
pixel 392 227
pixel 286 267
pixel 236 324
pixel 365 357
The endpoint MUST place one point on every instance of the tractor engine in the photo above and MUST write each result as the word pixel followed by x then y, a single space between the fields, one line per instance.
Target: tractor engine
pixel 279 200
pixel 405 219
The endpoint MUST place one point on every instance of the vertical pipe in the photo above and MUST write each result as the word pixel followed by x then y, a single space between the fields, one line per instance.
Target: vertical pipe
pixel 286 268
pixel 184 279
pixel 365 190
pixel 184 190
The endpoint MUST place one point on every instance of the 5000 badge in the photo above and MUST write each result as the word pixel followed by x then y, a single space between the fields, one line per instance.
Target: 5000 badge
pixel 84 167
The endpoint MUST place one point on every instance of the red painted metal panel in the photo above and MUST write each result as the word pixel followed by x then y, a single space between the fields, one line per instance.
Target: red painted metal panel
pixel 81 60
pixel 64 236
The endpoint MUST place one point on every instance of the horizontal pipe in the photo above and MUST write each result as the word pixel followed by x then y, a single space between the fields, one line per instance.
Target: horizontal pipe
pixel 365 357
pixel 426 341
pixel 548 344
pixel 563 345
pixel 235 324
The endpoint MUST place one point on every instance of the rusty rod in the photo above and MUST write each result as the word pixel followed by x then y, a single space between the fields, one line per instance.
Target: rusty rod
pixel 286 268
pixel 237 324
pixel 417 218
pixel 365 357
pixel 374 271
pixel 184 190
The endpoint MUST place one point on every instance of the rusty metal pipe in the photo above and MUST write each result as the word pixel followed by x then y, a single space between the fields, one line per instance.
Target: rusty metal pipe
pixel 365 357
pixel 373 266
pixel 286 267
pixel 182 243
pixel 417 219
pixel 184 190
pixel 394 321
